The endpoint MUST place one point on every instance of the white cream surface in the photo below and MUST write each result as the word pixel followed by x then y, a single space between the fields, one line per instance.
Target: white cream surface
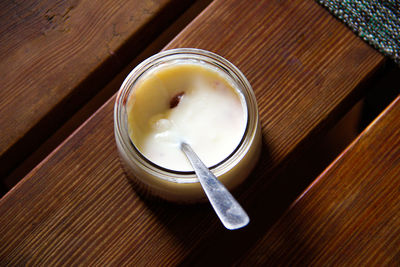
pixel 211 115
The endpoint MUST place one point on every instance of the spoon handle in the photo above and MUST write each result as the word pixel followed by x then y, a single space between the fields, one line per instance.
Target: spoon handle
pixel 225 205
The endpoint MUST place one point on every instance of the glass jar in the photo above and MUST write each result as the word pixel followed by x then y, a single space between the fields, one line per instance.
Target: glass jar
pixel 183 186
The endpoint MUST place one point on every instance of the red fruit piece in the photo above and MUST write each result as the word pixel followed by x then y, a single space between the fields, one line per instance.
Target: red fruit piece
pixel 176 99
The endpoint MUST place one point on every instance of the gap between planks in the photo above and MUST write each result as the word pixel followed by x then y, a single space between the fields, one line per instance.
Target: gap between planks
pixel 100 98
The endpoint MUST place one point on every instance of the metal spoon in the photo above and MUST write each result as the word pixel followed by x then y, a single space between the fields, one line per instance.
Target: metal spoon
pixel 225 205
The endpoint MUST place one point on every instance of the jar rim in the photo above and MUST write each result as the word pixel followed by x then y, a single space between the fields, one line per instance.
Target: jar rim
pixel 120 117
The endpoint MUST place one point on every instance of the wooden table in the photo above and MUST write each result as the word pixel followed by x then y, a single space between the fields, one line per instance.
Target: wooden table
pixel 55 57
pixel 307 70
pixel 349 215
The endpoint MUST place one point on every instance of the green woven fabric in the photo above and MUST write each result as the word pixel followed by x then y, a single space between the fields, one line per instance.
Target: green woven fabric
pixel 375 21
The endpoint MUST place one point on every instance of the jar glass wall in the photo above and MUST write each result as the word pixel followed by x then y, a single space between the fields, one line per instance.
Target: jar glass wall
pixel 183 186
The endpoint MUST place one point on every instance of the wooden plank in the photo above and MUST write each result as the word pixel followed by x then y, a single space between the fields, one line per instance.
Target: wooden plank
pixel 102 96
pixel 55 55
pixel 350 215
pixel 77 206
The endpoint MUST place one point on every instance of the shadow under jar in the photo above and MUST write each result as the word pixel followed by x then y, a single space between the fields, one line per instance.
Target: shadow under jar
pixel 180 76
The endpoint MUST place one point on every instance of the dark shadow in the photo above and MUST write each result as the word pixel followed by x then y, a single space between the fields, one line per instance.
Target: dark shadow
pixel 185 220
pixel 265 196
pixel 382 92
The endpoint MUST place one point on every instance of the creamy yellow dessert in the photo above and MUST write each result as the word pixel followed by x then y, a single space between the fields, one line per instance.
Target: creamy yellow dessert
pixel 187 102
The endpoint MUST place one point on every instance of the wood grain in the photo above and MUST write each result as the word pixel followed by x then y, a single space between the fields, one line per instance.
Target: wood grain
pixel 102 96
pixel 77 206
pixel 350 215
pixel 55 55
